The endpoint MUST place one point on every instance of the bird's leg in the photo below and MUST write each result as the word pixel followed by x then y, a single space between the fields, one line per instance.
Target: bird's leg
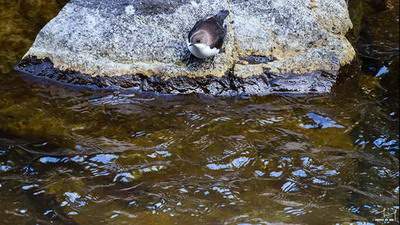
pixel 194 59
pixel 188 58
pixel 191 59
pixel 213 62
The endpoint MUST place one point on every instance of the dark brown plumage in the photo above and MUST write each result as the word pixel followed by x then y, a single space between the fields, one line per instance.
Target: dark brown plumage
pixel 210 31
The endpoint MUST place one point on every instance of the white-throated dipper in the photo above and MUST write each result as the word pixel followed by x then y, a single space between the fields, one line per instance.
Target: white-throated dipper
pixel 207 36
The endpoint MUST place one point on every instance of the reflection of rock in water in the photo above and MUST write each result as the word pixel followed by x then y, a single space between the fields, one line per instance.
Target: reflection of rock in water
pixel 134 44
pixel 378 47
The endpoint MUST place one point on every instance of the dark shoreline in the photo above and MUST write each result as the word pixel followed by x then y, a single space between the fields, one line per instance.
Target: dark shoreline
pixel 228 85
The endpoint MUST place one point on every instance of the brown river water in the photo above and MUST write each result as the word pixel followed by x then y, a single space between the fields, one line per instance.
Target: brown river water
pixel 73 155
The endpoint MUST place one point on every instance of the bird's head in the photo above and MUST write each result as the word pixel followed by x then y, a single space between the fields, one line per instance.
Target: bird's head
pixel 199 39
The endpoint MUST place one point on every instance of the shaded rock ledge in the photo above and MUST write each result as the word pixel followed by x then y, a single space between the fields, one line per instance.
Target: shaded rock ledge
pixel 272 46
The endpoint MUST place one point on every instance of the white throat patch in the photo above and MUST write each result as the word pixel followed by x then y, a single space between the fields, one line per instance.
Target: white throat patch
pixel 202 51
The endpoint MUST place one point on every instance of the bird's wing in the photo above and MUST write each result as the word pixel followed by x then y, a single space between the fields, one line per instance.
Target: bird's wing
pixel 216 30
pixel 195 28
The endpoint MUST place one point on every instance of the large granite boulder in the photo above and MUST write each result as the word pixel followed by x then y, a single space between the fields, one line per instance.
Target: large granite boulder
pixel 272 46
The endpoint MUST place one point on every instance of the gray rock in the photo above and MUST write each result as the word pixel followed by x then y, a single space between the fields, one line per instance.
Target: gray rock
pixel 303 35
pixel 272 46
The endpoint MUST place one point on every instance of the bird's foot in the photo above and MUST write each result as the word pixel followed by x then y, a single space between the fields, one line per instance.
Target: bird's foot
pixel 213 62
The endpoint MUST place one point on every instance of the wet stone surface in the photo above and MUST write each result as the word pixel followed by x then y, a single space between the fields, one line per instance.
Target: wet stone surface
pixel 228 85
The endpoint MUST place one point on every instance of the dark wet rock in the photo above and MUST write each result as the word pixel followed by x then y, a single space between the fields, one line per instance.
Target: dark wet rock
pixel 271 46
pixel 257 59
pixel 228 85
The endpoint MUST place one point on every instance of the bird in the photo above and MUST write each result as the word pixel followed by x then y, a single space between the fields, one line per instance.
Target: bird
pixel 207 36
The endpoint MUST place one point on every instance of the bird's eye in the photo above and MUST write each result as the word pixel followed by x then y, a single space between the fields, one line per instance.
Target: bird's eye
pixel 198 41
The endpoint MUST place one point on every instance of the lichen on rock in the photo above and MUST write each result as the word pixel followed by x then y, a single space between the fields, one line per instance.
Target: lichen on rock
pixel 268 44
pixel 303 35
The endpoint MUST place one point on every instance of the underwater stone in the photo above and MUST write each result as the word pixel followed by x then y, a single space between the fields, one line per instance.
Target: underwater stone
pixel 276 46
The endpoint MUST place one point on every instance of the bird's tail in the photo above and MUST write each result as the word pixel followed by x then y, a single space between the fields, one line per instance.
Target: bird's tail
pixel 222 15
